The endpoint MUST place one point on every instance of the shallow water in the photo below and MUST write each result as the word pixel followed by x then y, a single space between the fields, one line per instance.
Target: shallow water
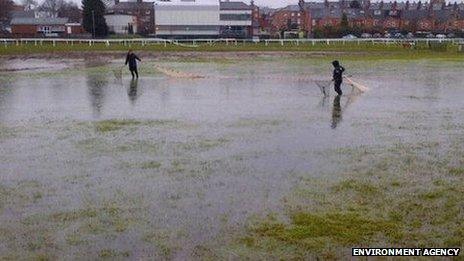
pixel 204 155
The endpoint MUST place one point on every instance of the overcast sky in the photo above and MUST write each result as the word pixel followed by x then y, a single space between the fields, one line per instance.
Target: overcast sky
pixel 270 3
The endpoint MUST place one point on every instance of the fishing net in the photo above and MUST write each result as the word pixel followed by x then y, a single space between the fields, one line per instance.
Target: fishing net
pixel 358 86
pixel 118 73
pixel 178 74
pixel 324 86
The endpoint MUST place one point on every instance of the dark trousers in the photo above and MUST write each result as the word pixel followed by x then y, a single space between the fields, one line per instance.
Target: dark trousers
pixel 337 85
pixel 134 72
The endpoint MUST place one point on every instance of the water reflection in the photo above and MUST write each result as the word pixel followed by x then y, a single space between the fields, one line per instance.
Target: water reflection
pixel 132 93
pixel 323 102
pixel 6 90
pixel 336 112
pixel 96 84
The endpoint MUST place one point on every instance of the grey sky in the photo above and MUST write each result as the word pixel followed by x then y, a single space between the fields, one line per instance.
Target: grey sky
pixel 270 3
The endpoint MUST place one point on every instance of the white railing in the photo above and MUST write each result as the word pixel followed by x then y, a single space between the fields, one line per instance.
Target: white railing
pixel 227 41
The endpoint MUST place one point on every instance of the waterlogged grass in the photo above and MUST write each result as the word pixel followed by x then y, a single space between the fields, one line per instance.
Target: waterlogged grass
pixel 116 124
pixel 401 196
pixel 151 165
pixel 21 193
pixel 113 253
pixel 7 132
pixel 314 231
pixel 397 49
pixel 255 123
pixel 113 125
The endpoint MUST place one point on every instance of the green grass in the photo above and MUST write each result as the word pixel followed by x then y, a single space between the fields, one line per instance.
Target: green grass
pixel 117 124
pixel 405 195
pixel 347 50
pixel 313 231
pixel 112 253
pixel 114 125
pixel 151 165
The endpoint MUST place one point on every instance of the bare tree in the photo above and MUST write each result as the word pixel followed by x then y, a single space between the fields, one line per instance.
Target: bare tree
pixel 29 4
pixel 71 11
pixel 51 7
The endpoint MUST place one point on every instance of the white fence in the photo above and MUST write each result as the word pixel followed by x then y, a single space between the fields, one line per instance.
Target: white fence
pixel 227 41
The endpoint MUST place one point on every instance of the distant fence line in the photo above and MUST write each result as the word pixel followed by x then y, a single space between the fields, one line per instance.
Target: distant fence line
pixel 227 41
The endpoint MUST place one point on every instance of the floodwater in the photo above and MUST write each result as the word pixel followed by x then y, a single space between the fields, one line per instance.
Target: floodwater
pixel 169 167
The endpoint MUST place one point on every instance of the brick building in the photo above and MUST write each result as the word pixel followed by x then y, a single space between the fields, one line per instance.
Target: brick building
pixel 436 16
pixel 237 19
pixel 287 19
pixel 38 27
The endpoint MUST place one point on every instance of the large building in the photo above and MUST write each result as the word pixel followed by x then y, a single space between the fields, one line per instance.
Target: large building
pixel 38 27
pixel 237 19
pixel 187 19
pixel 131 17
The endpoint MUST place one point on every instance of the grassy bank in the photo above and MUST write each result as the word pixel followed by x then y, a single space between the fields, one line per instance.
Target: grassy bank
pixel 374 50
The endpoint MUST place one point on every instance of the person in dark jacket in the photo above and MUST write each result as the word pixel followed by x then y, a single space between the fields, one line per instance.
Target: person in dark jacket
pixel 131 59
pixel 338 76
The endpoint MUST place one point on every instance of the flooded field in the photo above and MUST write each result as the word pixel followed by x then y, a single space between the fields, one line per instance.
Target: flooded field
pixel 95 166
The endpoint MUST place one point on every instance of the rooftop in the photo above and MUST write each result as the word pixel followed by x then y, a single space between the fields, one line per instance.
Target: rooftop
pixel 130 5
pixel 227 5
pixel 38 21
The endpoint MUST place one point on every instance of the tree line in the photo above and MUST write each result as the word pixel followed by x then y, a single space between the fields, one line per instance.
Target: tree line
pixel 91 15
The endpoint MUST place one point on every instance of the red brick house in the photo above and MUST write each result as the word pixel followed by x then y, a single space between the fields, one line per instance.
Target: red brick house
pixel 287 18
pixel 436 16
pixel 38 27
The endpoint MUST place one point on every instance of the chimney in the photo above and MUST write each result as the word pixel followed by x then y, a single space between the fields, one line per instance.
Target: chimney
pixel 116 2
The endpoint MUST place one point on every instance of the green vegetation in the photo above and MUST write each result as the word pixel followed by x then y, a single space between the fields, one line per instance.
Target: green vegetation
pixel 399 196
pixel 113 125
pixel 348 49
pixel 314 231
pixel 151 165
pixel 93 21
pixel 111 254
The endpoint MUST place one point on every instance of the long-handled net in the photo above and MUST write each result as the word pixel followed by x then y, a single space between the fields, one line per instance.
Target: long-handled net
pixel 360 87
pixel 118 73
pixel 324 86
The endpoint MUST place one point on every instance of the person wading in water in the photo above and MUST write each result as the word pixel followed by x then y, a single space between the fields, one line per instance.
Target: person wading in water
pixel 131 59
pixel 338 76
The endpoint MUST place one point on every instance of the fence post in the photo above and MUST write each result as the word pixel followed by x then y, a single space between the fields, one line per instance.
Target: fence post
pixel 54 43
